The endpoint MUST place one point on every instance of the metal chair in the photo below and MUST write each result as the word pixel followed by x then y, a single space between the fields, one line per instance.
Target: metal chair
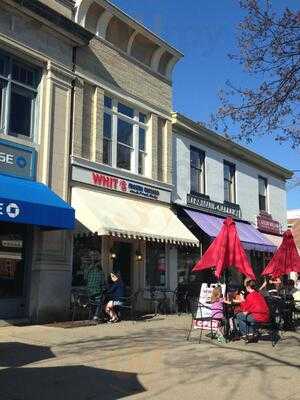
pixel 273 326
pixel 128 305
pixel 79 304
pixel 204 318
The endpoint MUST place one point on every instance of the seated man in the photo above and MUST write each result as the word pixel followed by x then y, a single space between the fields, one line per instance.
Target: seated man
pixel 95 280
pixel 254 309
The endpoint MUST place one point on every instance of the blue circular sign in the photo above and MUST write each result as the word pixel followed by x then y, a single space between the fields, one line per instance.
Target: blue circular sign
pixel 21 162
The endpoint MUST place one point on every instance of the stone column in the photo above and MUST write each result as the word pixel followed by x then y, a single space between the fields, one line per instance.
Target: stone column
pixel 52 251
pixel 97 126
pixel 77 118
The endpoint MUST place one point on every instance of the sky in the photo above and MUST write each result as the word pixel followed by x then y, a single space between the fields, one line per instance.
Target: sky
pixel 204 31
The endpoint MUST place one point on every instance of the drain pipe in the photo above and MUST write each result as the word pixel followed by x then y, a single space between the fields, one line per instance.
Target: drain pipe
pixel 71 126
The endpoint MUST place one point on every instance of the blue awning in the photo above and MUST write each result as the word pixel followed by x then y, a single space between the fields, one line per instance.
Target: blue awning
pixel 26 202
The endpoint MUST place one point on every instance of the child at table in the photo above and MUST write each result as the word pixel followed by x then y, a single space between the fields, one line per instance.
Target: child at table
pixel 217 312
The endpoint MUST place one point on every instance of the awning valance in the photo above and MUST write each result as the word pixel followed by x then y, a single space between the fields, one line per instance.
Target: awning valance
pixel 27 202
pixel 115 215
pixel 276 240
pixel 250 237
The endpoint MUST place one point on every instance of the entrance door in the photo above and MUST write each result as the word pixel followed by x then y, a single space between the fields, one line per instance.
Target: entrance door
pixel 122 262
pixel 12 270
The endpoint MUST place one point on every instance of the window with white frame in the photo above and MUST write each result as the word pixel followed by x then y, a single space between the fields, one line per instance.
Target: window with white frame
pixel 124 136
pixel 18 92
pixel 229 182
pixel 197 157
pixel 262 193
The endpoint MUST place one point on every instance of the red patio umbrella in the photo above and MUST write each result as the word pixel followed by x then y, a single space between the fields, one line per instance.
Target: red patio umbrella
pixel 285 260
pixel 226 251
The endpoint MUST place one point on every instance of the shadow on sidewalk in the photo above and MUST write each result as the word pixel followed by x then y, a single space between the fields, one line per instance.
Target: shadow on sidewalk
pixel 67 383
pixel 15 354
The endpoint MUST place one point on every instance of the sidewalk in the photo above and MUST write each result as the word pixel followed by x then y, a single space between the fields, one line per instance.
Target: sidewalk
pixel 143 360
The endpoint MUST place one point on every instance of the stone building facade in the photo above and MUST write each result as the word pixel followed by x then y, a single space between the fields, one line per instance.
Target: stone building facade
pixel 37 43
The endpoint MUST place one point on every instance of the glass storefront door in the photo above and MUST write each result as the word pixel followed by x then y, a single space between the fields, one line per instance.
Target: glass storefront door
pixel 12 270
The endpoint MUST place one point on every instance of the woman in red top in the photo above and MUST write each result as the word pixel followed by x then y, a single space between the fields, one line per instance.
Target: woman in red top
pixel 254 309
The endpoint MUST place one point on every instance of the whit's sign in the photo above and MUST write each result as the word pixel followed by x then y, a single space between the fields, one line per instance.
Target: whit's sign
pixel 17 160
pixel 118 184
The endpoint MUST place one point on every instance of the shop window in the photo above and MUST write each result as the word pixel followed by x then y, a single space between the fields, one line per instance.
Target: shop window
pixel 156 265
pixel 18 92
pixel 124 137
pixel 262 193
pixel 197 170
pixel 229 182
pixel 187 259
pixel 11 261
pixel 83 245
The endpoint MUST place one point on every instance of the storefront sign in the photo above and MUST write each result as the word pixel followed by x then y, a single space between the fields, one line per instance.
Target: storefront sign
pixel 209 205
pixel 265 223
pixel 17 160
pixel 118 184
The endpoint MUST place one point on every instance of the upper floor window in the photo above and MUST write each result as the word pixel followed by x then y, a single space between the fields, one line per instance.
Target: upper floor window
pixel 124 136
pixel 229 182
pixel 197 170
pixel 262 193
pixel 18 92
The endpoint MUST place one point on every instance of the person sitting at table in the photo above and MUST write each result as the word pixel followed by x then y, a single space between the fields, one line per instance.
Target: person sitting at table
pixel 271 285
pixel 254 309
pixel 116 294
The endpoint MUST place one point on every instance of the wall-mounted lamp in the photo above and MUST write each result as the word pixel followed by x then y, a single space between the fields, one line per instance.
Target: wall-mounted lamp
pixel 112 254
pixel 138 255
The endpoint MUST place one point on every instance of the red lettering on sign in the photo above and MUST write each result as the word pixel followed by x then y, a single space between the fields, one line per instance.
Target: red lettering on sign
pixel 108 182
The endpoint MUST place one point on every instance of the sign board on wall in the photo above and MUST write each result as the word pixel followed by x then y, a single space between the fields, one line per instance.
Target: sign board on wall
pixel 120 184
pixel 205 204
pixel 17 160
pixel 265 223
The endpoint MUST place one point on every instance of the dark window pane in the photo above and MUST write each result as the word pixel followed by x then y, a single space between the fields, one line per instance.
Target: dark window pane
pixel 20 112
pixel 123 157
pixel 143 118
pixel 227 172
pixel 262 203
pixel 2 65
pixel 1 102
pixel 15 72
pixel 11 261
pixel 141 163
pixel 107 102
pixel 124 132
pixel 262 186
pixel 23 75
pixel 156 265
pixel 106 151
pixel 30 78
pixel 227 194
pixel 194 180
pixel 197 158
pixel 142 136
pixel 107 125
pixel 125 110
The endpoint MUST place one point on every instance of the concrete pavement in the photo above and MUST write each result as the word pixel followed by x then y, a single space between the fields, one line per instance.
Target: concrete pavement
pixel 144 360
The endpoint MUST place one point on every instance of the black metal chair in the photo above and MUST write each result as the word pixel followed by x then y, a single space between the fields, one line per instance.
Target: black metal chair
pixel 128 306
pixel 255 329
pixel 203 321
pixel 79 305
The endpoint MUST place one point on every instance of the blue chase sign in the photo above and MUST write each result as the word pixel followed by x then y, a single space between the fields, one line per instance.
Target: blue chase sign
pixel 17 160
